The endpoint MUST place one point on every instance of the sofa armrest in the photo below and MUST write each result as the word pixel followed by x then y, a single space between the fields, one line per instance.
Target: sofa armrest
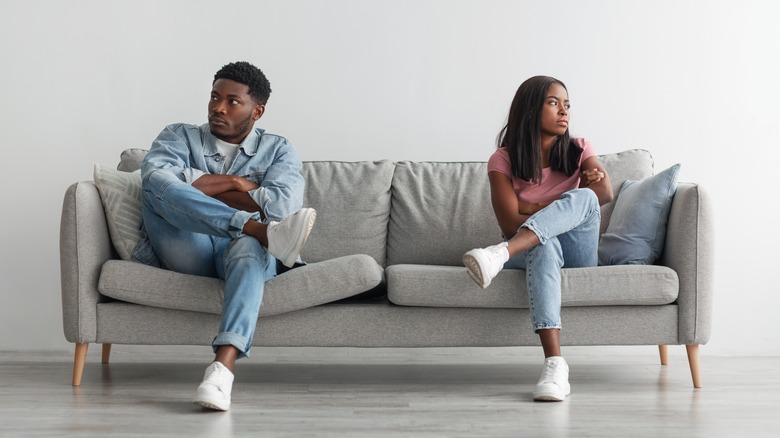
pixel 689 251
pixel 84 246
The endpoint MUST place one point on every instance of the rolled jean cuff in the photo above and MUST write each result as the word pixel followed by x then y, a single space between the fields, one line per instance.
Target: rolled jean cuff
pixel 531 225
pixel 538 327
pixel 234 339
pixel 238 221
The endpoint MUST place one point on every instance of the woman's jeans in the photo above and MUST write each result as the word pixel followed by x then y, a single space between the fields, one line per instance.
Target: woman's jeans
pixel 195 234
pixel 568 230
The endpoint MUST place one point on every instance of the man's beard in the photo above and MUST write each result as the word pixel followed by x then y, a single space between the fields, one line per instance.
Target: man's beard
pixel 241 129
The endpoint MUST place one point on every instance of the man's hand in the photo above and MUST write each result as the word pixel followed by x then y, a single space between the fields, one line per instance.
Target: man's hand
pixel 590 176
pixel 213 185
pixel 240 201
pixel 244 185
pixel 233 190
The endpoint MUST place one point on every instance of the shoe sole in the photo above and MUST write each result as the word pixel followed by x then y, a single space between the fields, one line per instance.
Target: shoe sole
pixel 213 406
pixel 475 271
pixel 551 396
pixel 288 259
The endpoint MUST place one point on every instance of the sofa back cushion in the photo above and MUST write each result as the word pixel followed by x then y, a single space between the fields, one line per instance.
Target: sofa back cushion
pixel 440 210
pixel 353 205
pixel 352 201
pixel 130 160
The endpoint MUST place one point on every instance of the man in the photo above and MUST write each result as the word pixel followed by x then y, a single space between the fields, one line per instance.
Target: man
pixel 224 200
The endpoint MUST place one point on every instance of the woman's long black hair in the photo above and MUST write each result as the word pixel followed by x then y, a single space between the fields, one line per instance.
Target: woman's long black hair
pixel 522 134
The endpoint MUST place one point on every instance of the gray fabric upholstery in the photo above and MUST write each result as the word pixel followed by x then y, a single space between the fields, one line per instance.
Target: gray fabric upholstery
pixel 353 205
pixel 439 211
pixel 306 286
pixel 130 159
pixel 84 246
pixel 689 251
pixel 417 219
pixel 380 324
pixel 449 286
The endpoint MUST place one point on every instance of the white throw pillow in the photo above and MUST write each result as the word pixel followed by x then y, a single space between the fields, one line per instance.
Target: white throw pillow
pixel 120 193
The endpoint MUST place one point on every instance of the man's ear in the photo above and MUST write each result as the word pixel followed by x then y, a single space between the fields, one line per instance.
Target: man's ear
pixel 258 112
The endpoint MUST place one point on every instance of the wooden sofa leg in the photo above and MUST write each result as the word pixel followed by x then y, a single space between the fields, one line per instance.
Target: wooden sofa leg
pixel 106 353
pixel 664 351
pixel 78 363
pixel 693 360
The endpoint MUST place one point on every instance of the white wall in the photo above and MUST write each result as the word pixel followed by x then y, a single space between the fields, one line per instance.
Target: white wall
pixel 695 82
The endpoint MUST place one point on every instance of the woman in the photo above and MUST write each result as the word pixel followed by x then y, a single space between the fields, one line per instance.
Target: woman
pixel 546 189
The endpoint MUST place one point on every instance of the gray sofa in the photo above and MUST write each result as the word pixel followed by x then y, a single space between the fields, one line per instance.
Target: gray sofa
pixel 385 271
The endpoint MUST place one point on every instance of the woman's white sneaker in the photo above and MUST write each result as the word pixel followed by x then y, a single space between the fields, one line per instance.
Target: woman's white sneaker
pixel 485 263
pixel 553 385
pixel 214 391
pixel 286 238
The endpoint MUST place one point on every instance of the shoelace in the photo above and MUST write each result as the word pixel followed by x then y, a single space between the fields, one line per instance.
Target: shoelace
pixel 551 372
pixel 496 261
pixel 495 255
pixel 281 225
pixel 287 223
pixel 216 377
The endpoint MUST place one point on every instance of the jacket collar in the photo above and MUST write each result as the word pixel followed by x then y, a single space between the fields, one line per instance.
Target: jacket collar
pixel 250 144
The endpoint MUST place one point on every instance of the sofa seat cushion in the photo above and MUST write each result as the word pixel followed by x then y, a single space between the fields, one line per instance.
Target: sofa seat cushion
pixel 449 286
pixel 306 286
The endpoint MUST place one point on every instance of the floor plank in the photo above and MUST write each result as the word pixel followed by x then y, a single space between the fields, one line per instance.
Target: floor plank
pixel 301 392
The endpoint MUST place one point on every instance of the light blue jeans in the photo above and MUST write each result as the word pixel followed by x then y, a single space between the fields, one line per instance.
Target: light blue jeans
pixel 195 234
pixel 568 230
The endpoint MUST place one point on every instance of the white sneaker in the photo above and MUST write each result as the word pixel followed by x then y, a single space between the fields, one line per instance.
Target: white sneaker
pixel 553 385
pixel 485 263
pixel 214 391
pixel 286 238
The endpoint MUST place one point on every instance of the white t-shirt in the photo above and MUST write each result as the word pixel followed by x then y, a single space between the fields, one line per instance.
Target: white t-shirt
pixel 229 151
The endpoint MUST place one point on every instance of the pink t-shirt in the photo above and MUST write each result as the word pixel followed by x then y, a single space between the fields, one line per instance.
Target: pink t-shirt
pixel 553 184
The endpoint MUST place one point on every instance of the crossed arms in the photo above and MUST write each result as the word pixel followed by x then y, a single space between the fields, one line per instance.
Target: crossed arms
pixel 233 190
pixel 273 185
pixel 511 213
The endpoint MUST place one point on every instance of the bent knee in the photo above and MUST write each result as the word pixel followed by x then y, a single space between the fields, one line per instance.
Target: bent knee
pixel 246 247
pixel 550 250
pixel 584 194
pixel 586 198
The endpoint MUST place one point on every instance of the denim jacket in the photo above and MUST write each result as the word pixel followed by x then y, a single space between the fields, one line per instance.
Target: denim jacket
pixel 189 151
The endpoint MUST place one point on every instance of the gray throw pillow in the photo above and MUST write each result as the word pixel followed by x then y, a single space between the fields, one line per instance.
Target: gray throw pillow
pixel 120 193
pixel 637 229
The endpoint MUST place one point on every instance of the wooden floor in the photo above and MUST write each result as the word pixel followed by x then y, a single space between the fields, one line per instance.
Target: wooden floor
pixel 302 392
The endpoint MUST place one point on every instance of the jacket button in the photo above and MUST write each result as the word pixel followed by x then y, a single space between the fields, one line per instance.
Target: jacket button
pixel 217 159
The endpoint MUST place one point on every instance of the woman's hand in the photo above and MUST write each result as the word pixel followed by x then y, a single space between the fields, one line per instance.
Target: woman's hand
pixel 590 176
pixel 595 177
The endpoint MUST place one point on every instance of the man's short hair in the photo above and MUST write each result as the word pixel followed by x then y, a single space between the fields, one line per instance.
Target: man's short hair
pixel 249 75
